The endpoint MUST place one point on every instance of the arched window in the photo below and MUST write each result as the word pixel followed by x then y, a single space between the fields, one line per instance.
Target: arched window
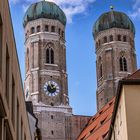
pixel 100 68
pixel 119 37
pixel 32 30
pixel 26 35
pixel 99 42
pixel 124 38
pixel 53 29
pixel 52 132
pixel 62 33
pixel 46 28
pixel 49 56
pixel 111 38
pixel 101 71
pixel 105 39
pixel 96 44
pixel 38 29
pixel 59 31
pixel 52 56
pixel 123 64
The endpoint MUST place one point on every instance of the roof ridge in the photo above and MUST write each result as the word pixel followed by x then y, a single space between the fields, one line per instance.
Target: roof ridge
pixel 133 74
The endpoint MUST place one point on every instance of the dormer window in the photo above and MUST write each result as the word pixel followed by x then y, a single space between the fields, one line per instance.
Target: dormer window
pixel 102 122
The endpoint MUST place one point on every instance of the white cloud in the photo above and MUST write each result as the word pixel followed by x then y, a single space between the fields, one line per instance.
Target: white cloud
pixel 136 9
pixel 135 14
pixel 25 7
pixel 71 11
pixel 136 4
pixel 70 7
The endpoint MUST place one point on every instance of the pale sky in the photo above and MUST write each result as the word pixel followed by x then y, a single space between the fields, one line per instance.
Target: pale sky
pixel 81 58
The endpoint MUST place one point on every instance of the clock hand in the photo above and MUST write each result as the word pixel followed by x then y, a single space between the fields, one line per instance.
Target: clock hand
pixel 53 86
pixel 50 86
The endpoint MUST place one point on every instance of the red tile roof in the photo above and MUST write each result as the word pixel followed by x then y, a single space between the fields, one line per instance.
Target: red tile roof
pixel 98 126
pixel 135 75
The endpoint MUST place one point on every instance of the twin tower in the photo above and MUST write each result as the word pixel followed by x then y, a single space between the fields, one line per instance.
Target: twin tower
pixel 46 82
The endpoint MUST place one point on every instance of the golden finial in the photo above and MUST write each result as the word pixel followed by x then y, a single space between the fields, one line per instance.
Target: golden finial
pixel 112 7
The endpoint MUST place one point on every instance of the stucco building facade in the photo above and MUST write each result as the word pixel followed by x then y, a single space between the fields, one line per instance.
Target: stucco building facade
pixel 46 80
pixel 14 123
pixel 125 125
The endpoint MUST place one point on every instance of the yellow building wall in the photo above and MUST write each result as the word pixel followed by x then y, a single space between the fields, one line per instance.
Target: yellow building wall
pixel 132 102
pixel 127 119
pixel 120 125
pixel 14 124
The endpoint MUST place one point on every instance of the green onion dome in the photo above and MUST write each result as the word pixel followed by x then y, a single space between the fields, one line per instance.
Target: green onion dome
pixel 44 9
pixel 113 19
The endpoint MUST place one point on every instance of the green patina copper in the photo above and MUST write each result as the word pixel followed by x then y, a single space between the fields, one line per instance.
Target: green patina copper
pixel 44 9
pixel 113 19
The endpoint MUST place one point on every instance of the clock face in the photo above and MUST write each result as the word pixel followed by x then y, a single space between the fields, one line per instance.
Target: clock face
pixel 51 88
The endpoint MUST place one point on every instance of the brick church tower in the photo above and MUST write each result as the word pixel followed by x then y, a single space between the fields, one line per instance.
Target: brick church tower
pixel 114 41
pixel 46 76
